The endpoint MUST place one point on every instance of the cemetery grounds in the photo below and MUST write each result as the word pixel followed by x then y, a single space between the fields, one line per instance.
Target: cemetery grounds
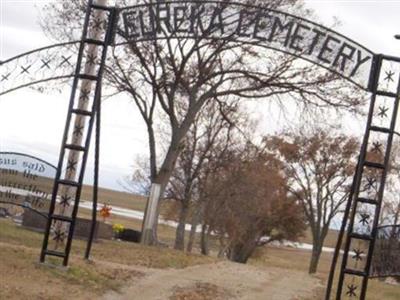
pixel 123 270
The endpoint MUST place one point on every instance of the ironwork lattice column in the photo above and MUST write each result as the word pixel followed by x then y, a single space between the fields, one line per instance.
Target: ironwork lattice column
pixel 370 179
pixel 97 36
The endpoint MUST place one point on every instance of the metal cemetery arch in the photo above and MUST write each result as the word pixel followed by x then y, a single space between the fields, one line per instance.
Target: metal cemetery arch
pixel 288 32
pixel 38 66
pixel 268 28
pixel 225 20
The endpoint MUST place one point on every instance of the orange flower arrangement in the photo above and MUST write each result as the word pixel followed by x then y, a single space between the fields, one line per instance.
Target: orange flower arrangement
pixel 105 212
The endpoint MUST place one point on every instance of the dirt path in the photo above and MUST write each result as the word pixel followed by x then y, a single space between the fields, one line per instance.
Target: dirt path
pixel 236 281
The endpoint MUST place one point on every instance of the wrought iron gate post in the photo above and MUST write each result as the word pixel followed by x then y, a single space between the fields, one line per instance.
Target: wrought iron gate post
pixel 81 115
pixel 96 177
pixel 336 252
pixel 372 171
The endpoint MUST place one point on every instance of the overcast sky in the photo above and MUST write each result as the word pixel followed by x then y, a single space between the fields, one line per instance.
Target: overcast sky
pixel 33 123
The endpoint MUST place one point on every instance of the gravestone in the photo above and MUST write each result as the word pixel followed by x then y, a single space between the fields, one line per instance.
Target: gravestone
pixel 34 221
pixel 130 235
pixel 26 182
pixel 3 212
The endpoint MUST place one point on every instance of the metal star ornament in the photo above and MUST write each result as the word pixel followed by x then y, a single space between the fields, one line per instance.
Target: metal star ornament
pixel 5 77
pixel 78 130
pixel 25 69
pixel 364 219
pixel 59 236
pixel 84 95
pixel 45 64
pixel 351 290
pixel 91 59
pixel 370 183
pixel 383 112
pixel 389 76
pixel 71 165
pixel 377 147
pixel 97 23
pixel 357 254
pixel 65 199
pixel 65 60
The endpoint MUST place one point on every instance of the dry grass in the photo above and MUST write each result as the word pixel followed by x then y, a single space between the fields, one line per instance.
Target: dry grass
pixel 112 251
pixel 21 260
pixel 296 259
pixel 200 291
pixel 287 258
pixel 113 264
pixel 23 279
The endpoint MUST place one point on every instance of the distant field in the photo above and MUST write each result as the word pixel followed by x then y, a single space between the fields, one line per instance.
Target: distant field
pixel 117 198
pixel 138 202
pixel 330 240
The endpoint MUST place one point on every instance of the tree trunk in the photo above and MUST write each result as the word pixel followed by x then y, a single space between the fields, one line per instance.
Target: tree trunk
pixel 397 215
pixel 192 234
pixel 149 236
pixel 222 247
pixel 204 240
pixel 198 216
pixel 315 256
pixel 180 230
pixel 241 252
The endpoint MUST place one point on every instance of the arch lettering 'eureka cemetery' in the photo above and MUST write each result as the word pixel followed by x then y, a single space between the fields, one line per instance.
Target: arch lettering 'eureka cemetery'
pixel 241 23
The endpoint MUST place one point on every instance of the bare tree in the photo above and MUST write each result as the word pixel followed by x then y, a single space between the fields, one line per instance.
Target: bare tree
pixel 177 77
pixel 208 136
pixel 319 167
pixel 248 205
